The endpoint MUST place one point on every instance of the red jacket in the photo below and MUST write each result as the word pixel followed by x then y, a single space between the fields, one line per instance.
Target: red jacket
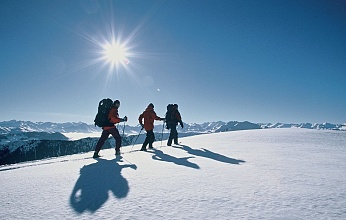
pixel 113 117
pixel 149 116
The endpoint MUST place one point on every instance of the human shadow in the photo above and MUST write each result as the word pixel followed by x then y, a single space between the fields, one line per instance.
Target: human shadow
pixel 94 183
pixel 160 156
pixel 209 154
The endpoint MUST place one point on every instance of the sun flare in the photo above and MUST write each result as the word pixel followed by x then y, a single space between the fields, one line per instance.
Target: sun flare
pixel 115 53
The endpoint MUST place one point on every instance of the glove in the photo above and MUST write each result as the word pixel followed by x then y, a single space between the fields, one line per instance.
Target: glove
pixel 142 126
pixel 163 119
pixel 125 118
pixel 181 124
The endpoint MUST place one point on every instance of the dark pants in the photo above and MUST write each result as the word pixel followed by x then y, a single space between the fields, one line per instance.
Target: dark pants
pixel 149 139
pixel 173 135
pixel 104 136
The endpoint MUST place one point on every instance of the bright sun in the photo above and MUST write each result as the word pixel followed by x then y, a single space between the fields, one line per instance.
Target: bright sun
pixel 115 53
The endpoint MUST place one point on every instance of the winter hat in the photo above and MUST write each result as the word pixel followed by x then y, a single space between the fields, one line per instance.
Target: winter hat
pixel 151 105
pixel 116 102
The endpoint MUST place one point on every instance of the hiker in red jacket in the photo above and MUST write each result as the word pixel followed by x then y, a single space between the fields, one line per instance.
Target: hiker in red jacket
pixel 113 117
pixel 149 116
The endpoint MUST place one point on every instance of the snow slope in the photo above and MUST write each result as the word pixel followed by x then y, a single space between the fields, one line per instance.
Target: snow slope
pixel 254 174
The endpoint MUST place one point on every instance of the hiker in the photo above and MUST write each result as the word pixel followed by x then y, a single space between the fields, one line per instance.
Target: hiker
pixel 113 118
pixel 149 116
pixel 172 118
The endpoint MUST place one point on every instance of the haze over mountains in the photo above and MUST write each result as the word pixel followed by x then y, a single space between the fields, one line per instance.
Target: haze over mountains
pixel 17 127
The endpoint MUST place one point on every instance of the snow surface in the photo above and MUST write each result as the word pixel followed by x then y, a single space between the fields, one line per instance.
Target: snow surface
pixel 254 174
pixel 73 136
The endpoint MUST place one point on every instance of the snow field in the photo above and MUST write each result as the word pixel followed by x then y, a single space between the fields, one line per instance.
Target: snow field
pixel 254 174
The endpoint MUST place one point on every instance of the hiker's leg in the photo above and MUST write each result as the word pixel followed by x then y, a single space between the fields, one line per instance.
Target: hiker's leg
pixel 151 138
pixel 174 134
pixel 146 141
pixel 101 141
pixel 115 133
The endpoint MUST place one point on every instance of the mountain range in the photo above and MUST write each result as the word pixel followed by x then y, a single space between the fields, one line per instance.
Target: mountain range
pixel 15 127
pixel 24 140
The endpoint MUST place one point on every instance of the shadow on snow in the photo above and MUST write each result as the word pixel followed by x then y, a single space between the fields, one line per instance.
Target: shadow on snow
pixel 209 154
pixel 160 156
pixel 95 181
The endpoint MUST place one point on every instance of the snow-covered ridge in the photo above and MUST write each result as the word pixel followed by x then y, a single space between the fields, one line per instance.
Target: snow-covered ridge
pixel 324 126
pixel 15 127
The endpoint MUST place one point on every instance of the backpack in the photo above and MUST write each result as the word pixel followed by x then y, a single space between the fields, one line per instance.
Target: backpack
pixel 169 116
pixel 101 119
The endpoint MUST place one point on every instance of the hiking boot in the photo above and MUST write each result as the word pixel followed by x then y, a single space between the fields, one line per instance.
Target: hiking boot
pixel 117 152
pixel 143 149
pixel 96 155
pixel 151 147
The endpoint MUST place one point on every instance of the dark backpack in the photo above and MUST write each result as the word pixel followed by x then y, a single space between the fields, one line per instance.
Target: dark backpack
pixel 169 116
pixel 101 119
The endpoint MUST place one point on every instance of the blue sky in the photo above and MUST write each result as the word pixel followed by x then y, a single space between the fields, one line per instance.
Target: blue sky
pixel 260 61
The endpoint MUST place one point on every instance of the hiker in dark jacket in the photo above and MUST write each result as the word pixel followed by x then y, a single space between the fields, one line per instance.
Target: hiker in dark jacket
pixel 113 117
pixel 149 116
pixel 173 117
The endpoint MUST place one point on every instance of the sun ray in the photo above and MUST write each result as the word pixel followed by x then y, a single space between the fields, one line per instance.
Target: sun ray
pixel 114 48
pixel 115 53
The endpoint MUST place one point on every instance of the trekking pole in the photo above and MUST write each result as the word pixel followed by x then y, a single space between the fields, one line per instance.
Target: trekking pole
pixel 136 138
pixel 124 129
pixel 128 161
pixel 163 126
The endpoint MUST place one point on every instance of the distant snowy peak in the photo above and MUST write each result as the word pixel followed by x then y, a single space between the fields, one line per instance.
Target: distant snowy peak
pixel 17 127
pixel 207 127
pixel 235 126
pixel 326 126
pixel 14 126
